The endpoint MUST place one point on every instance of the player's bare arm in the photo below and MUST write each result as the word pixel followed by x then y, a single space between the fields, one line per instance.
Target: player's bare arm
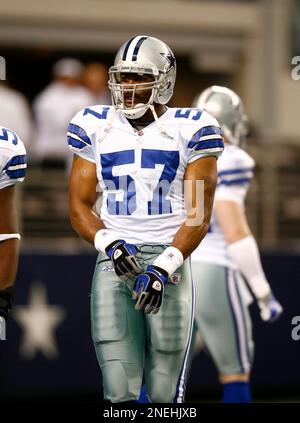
pixel 13 164
pixel 82 197
pixel 243 250
pixel 189 236
pixel 9 248
pixel 231 217
pixel 9 253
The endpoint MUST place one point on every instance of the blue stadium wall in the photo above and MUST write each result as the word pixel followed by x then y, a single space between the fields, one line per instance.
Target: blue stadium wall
pixel 74 371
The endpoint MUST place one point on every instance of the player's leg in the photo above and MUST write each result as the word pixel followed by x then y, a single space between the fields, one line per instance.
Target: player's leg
pixel 118 334
pixel 225 325
pixel 197 345
pixel 236 386
pixel 168 339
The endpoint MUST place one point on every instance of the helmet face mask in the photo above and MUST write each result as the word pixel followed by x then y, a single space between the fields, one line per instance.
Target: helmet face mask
pixel 227 107
pixel 142 55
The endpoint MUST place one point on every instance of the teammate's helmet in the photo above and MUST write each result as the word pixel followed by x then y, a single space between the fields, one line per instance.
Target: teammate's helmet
pixel 143 55
pixel 227 107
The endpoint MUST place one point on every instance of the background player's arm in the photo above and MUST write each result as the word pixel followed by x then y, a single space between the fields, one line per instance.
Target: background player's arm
pixel 244 252
pixel 82 197
pixel 9 248
pixel 231 217
pixel 193 231
pixel 241 245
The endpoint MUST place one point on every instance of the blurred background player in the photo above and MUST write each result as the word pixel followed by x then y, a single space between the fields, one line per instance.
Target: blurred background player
pixel 53 108
pixel 228 252
pixel 15 112
pixel 12 170
pixel 140 151
pixel 95 78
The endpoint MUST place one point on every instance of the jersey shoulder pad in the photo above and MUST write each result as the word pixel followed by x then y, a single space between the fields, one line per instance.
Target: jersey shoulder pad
pixel 202 135
pixel 204 125
pixel 9 140
pixel 235 166
pixel 235 158
pixel 86 124
pixel 13 159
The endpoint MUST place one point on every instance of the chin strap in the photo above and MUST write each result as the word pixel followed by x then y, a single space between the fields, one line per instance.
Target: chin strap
pixel 162 131
pixel 107 126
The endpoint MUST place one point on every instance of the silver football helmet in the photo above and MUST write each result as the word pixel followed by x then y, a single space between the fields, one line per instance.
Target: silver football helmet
pixel 227 107
pixel 143 55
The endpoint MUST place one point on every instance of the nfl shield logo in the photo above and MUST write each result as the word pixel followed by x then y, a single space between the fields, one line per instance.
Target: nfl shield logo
pixel 175 278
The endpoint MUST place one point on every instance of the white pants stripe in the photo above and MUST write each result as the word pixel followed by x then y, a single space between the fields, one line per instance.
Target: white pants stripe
pixel 180 391
pixel 240 324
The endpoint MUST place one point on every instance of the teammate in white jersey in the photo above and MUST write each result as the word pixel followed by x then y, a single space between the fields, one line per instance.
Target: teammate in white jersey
pixel 141 152
pixel 12 170
pixel 227 252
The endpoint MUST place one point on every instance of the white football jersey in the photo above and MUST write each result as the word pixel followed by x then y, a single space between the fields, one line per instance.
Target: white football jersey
pixel 141 173
pixel 235 171
pixel 13 159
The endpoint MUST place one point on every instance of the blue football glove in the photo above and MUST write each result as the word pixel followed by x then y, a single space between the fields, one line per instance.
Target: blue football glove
pixel 149 289
pixel 270 308
pixel 6 297
pixel 123 258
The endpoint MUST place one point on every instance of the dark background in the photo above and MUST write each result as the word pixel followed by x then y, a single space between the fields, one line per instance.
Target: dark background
pixel 75 374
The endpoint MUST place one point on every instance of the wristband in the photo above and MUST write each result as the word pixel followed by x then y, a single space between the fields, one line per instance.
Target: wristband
pixel 103 238
pixel 4 237
pixel 169 260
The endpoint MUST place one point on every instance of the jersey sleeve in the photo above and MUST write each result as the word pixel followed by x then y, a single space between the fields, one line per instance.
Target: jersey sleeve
pixel 79 136
pixel 235 172
pixel 13 158
pixel 205 139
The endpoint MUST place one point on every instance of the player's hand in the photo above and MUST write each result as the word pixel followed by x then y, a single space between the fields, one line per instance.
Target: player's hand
pixel 270 308
pixel 123 258
pixel 149 289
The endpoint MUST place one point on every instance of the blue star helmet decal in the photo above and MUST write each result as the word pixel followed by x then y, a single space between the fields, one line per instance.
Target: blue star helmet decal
pixel 170 58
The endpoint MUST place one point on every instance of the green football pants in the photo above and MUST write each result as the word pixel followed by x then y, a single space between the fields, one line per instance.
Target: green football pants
pixel 223 318
pixel 130 343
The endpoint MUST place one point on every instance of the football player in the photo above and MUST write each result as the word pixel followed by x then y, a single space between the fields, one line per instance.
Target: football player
pixel 142 153
pixel 228 252
pixel 12 170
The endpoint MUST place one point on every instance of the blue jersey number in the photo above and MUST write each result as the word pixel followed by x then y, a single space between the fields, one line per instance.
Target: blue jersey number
pixel 181 113
pixel 170 160
pixel 102 115
pixel 125 185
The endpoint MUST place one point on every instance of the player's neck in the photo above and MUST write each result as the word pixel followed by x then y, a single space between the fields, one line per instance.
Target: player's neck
pixel 148 117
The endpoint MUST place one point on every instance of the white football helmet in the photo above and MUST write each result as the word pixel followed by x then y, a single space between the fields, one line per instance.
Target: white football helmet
pixel 227 107
pixel 143 55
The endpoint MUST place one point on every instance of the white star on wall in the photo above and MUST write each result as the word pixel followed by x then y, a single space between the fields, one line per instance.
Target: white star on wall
pixel 39 321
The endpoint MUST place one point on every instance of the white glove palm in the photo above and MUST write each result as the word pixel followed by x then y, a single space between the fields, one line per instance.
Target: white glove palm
pixel 270 308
